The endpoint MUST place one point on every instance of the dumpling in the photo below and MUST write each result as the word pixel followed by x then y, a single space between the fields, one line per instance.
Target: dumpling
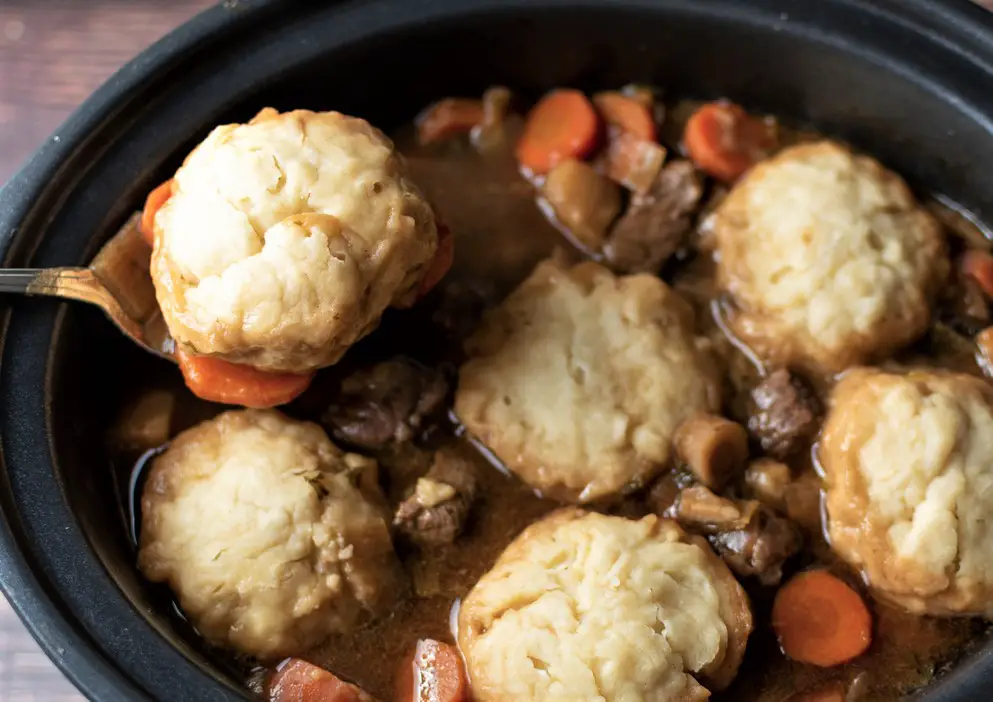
pixel 286 238
pixel 271 537
pixel 583 606
pixel 580 378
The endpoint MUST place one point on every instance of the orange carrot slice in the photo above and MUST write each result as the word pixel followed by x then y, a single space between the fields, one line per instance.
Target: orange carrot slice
pixel 442 261
pixel 628 114
pixel 978 265
pixel 299 681
pixel 228 383
pixel 433 673
pixel 725 141
pixel 447 118
pixel 827 694
pixel 153 203
pixel 820 620
pixel 562 125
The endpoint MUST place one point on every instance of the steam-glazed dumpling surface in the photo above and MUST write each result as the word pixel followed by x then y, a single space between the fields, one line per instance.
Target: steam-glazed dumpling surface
pixel 909 463
pixel 270 536
pixel 583 606
pixel 828 258
pixel 285 239
pixel 579 379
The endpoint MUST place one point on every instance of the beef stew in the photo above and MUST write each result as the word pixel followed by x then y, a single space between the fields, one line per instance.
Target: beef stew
pixel 751 487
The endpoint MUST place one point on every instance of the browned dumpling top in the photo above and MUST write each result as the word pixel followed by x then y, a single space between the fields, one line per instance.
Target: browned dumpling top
pixel 583 606
pixel 908 459
pixel 828 257
pixel 285 239
pixel 267 533
pixel 579 379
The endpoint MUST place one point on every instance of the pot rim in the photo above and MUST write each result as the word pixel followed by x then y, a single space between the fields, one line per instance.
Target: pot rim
pixel 957 26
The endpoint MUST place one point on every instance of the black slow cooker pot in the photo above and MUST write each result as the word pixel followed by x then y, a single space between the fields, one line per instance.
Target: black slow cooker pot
pixel 909 80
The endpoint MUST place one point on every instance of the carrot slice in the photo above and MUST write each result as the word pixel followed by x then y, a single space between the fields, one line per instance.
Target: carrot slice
pixel 562 125
pixel 821 620
pixel 978 265
pixel 447 118
pixel 442 261
pixel 827 694
pixel 628 114
pixel 725 141
pixel 299 681
pixel 228 383
pixel 433 673
pixel 153 203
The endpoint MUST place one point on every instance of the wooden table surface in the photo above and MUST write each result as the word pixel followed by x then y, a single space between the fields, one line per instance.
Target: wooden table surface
pixel 53 54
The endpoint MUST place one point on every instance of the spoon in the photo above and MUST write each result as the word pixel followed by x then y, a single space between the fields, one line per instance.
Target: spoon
pixel 118 282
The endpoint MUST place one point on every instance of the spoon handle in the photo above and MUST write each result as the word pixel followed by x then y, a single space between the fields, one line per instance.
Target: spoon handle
pixel 20 280
pixel 70 283
pixel 73 283
pixel 43 281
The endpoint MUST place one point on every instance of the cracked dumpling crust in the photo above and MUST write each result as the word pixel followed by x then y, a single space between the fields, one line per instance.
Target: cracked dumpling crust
pixel 829 259
pixel 579 379
pixel 268 534
pixel 286 238
pixel 583 606
pixel 908 460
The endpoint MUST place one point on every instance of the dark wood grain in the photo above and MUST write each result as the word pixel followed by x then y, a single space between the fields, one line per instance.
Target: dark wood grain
pixel 53 53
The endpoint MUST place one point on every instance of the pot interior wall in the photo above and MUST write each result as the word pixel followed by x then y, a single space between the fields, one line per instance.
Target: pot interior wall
pixel 782 66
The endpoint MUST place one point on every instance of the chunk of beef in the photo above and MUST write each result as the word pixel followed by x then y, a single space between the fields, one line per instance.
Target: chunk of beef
pixel 714 448
pixel 656 223
pixel 663 495
pixel 751 539
pixel 769 481
pixel 437 511
pixel 701 510
pixel 385 404
pixel 631 161
pixel 785 413
pixel 761 548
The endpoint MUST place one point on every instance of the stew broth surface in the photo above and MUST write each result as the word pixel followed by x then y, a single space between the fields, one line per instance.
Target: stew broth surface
pixel 501 235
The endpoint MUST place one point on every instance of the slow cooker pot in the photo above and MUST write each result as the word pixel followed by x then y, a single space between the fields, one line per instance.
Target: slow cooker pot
pixel 909 80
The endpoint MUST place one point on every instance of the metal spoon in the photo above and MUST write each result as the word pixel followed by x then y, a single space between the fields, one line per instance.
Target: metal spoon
pixel 117 282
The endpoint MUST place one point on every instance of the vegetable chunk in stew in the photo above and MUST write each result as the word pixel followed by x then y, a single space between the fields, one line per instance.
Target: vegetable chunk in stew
pixel 603 397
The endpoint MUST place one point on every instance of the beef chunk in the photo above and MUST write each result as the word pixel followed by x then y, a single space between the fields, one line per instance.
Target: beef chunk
pixel 701 510
pixel 751 539
pixel 656 223
pixel 663 496
pixel 386 404
pixel 769 481
pixel 436 512
pixel 785 413
pixel 761 548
